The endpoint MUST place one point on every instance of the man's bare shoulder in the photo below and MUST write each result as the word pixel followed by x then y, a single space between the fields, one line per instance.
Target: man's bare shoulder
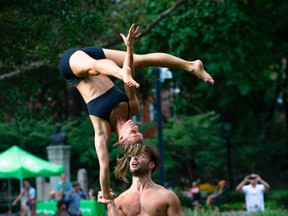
pixel 167 193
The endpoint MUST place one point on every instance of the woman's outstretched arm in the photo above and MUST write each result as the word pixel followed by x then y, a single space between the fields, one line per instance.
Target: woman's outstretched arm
pixel 103 132
pixel 129 63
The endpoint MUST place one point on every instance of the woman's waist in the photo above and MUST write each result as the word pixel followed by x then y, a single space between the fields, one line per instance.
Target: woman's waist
pixel 90 92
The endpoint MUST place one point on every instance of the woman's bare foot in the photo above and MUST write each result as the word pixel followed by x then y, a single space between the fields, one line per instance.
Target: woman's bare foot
pixel 198 70
pixel 127 77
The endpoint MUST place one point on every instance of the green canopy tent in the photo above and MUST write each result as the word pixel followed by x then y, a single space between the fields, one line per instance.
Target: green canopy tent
pixel 17 163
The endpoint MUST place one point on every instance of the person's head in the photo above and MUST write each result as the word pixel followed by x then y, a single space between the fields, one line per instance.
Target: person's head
pixel 253 179
pixel 194 184
pixel 130 143
pixel 222 183
pixel 26 184
pixel 145 163
pixel 61 205
pixel 76 185
pixel 63 177
pixel 129 134
pixel 52 194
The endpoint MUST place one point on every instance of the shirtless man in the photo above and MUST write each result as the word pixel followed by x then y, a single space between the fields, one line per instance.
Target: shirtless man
pixel 144 197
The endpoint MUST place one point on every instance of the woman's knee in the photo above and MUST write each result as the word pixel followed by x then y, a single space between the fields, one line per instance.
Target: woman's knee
pixel 140 61
pixel 81 63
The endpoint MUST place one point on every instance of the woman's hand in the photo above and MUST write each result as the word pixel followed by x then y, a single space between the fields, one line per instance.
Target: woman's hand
pixel 133 33
pixel 106 199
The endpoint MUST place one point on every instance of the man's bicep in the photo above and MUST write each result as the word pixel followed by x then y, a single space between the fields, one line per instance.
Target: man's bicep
pixel 174 207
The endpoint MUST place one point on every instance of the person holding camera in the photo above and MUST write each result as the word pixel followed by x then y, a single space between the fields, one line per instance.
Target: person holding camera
pixel 254 192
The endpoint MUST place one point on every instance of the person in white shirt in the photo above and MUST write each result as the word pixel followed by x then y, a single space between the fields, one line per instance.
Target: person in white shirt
pixel 27 197
pixel 254 192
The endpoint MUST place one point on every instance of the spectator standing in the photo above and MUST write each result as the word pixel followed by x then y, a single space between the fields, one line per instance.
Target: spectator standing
pixel 52 196
pixel 61 209
pixel 93 194
pixel 195 193
pixel 62 187
pixel 254 192
pixel 72 199
pixel 214 196
pixel 27 197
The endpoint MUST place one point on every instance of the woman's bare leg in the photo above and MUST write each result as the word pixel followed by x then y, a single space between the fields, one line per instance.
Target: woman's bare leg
pixel 83 65
pixel 161 60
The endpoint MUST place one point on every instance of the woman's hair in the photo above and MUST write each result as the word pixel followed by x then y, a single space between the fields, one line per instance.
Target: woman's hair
pixel 129 150
pixel 122 166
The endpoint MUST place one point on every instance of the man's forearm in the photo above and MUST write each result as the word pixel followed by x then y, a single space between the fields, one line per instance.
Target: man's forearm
pixel 266 185
pixel 239 187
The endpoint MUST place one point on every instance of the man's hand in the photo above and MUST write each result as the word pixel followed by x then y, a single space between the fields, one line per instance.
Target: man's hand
pixel 246 179
pixel 255 176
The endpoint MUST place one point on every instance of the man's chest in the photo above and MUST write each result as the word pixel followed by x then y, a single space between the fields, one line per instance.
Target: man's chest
pixel 144 205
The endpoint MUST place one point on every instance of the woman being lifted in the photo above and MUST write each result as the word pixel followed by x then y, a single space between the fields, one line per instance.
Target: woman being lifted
pixel 110 110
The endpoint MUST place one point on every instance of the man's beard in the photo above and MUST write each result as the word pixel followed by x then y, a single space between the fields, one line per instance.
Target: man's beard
pixel 141 171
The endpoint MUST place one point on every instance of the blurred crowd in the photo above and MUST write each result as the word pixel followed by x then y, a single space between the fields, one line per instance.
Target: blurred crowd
pixel 68 196
pixel 200 193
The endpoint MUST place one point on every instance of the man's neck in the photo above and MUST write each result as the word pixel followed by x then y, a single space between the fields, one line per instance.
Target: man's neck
pixel 141 183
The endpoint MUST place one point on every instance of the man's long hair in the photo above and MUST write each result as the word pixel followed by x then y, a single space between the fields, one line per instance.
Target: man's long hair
pixel 129 150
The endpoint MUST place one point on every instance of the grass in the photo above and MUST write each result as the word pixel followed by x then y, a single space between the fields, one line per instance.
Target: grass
pixel 203 212
pixel 233 204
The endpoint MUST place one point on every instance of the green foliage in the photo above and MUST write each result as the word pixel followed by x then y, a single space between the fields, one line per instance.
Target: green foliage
pixel 189 212
pixel 241 44
pixel 31 137
pixel 40 29
pixel 280 197
pixel 232 197
pixel 15 95
pixel 193 140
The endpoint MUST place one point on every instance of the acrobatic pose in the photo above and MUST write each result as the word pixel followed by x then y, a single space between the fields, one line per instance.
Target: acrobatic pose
pixel 111 110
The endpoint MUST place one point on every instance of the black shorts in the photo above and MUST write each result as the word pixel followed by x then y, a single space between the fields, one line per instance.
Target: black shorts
pixel 103 105
pixel 64 66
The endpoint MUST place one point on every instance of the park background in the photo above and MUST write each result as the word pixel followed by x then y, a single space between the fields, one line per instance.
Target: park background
pixel 225 131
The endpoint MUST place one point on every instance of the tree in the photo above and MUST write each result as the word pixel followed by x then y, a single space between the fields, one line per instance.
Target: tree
pixel 239 43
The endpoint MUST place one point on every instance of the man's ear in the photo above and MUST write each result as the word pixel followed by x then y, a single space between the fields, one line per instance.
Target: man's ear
pixel 120 139
pixel 152 165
